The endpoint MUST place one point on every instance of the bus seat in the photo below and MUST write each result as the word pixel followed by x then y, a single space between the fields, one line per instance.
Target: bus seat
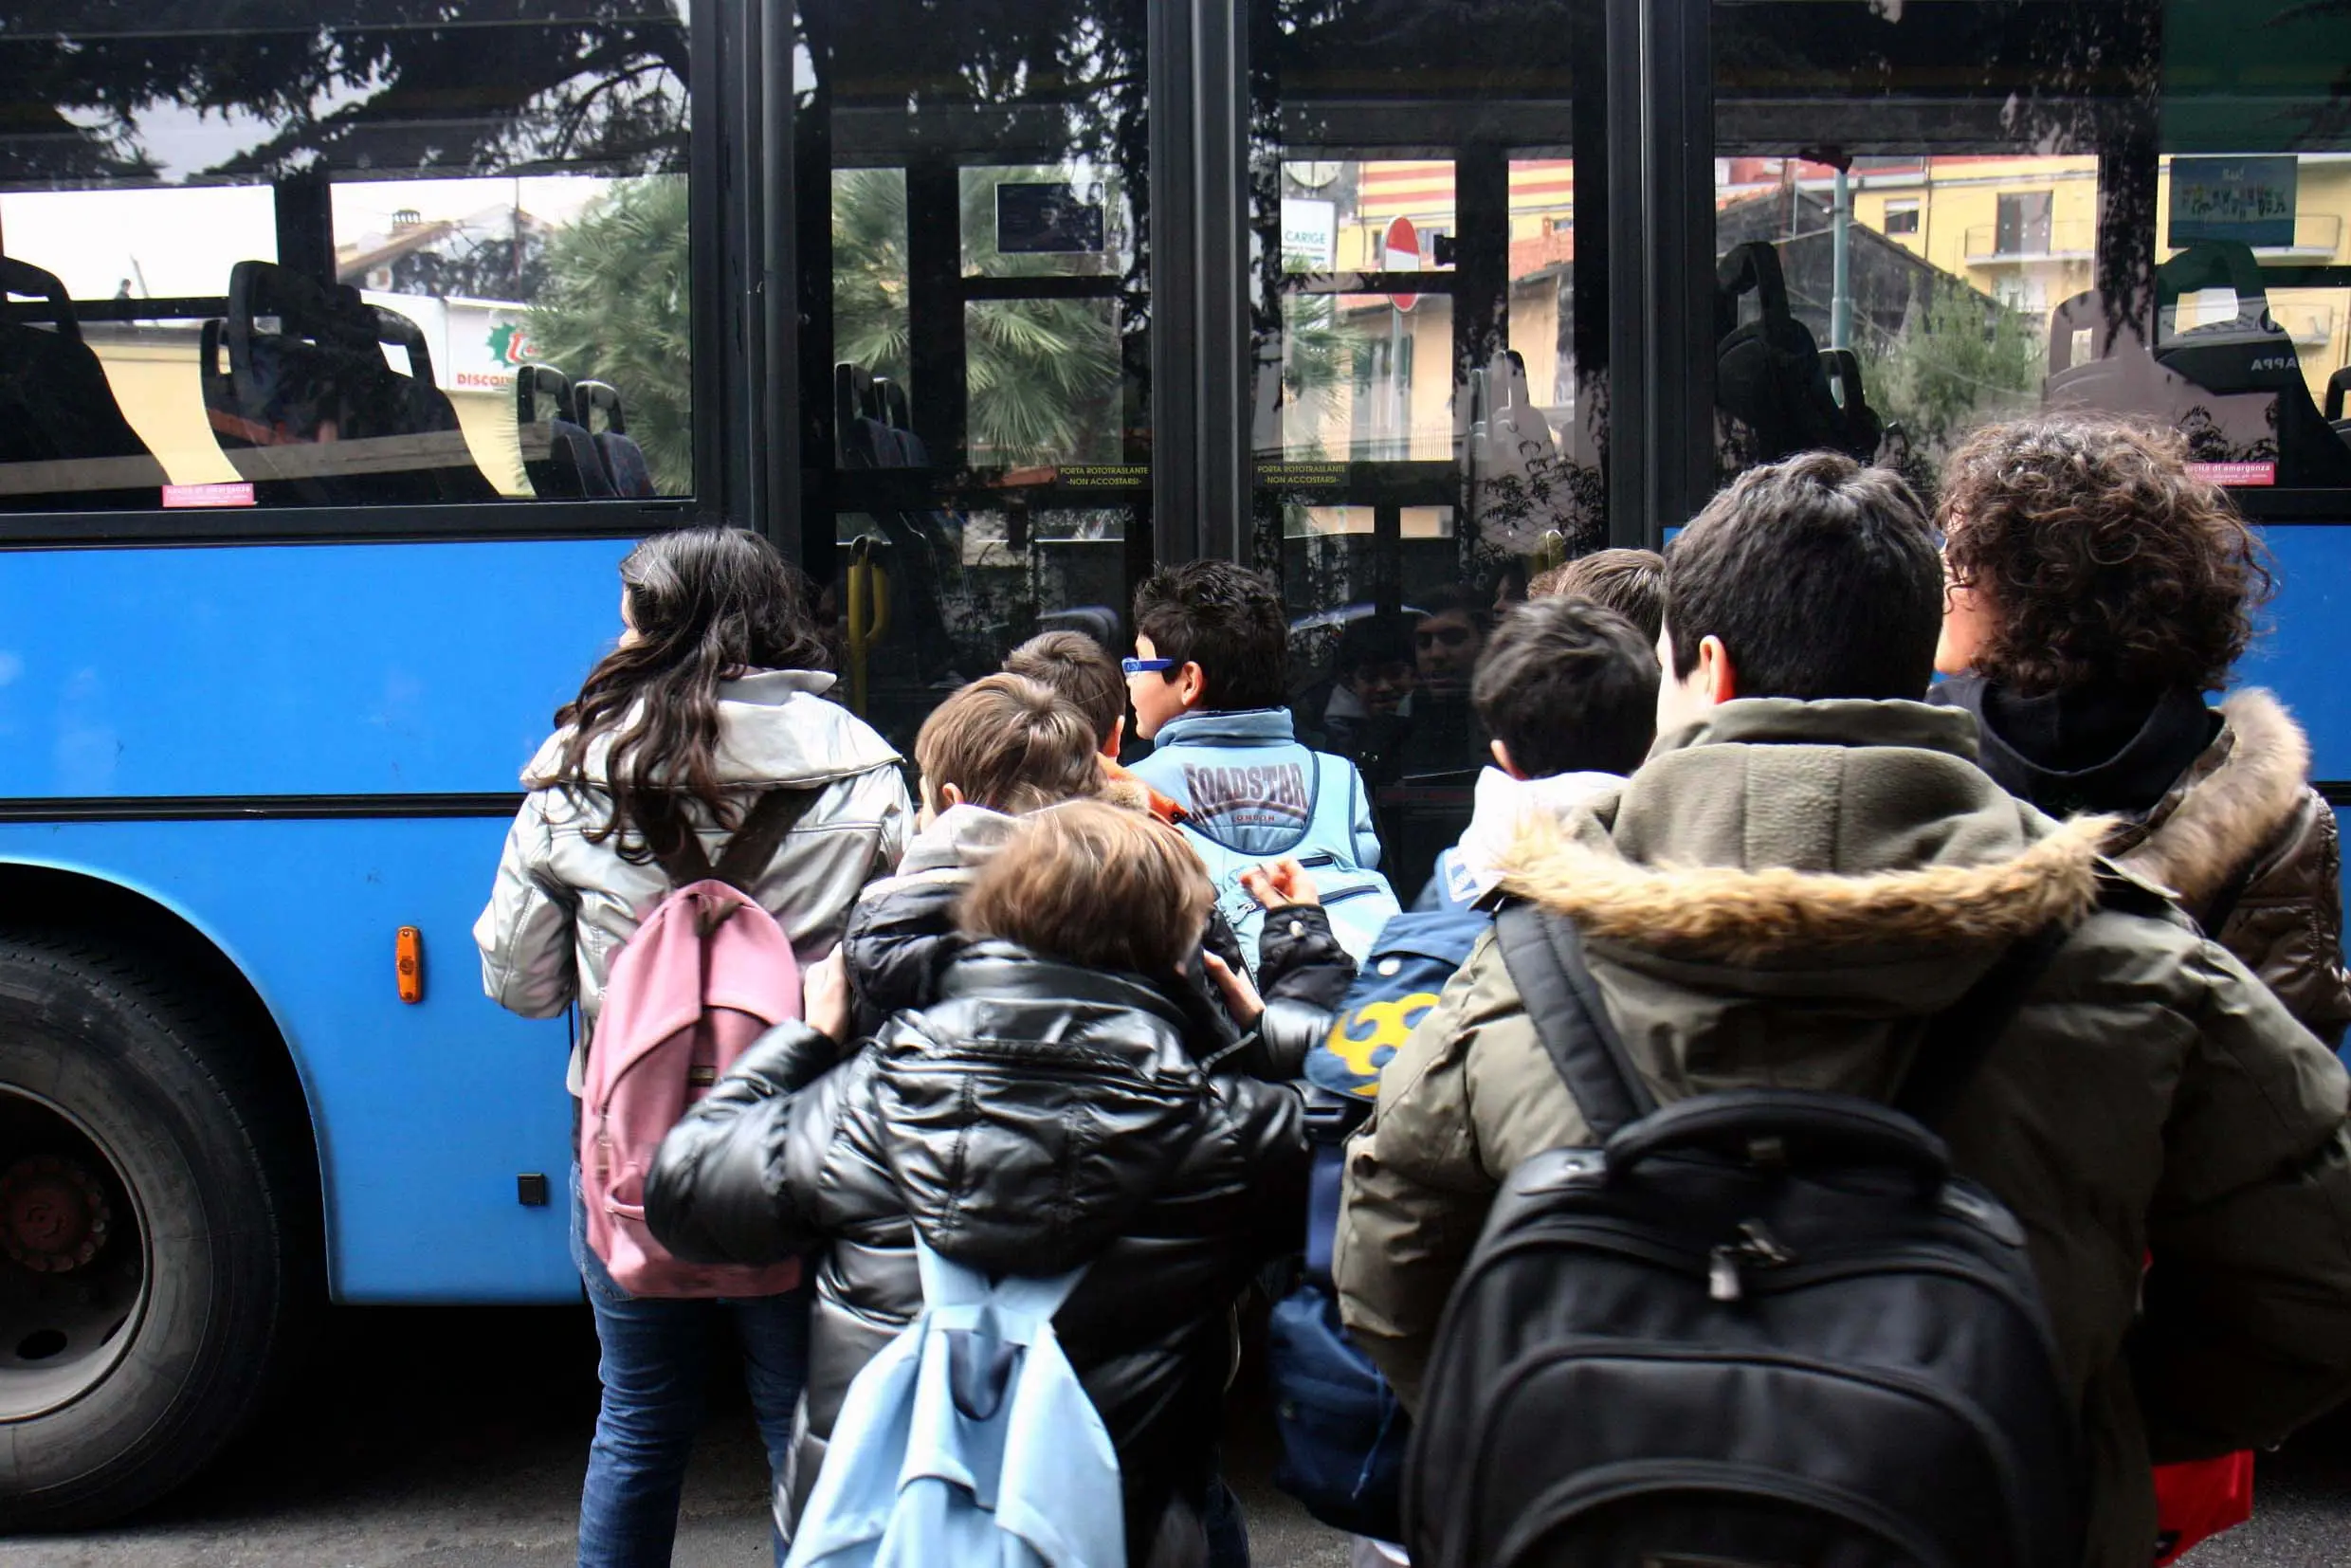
pixel 312 412
pixel 1865 431
pixel 1767 372
pixel 64 446
pixel 2251 352
pixel 2337 385
pixel 623 459
pixel 466 481
pixel 558 456
pixel 2234 386
pixel 2114 372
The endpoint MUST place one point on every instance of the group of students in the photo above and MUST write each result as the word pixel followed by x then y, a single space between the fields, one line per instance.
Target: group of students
pixel 1035 1039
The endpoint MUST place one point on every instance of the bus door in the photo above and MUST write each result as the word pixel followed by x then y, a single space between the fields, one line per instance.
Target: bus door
pixel 1428 333
pixel 975 332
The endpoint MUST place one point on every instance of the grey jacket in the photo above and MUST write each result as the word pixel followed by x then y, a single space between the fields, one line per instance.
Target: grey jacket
pixel 564 905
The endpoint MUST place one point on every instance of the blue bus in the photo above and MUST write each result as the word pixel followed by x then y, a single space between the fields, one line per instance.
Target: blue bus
pixel 345 345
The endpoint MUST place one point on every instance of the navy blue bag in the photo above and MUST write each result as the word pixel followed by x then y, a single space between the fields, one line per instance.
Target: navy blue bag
pixel 1343 1430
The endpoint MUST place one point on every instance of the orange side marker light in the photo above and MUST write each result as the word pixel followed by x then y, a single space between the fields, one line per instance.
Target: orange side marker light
pixel 408 963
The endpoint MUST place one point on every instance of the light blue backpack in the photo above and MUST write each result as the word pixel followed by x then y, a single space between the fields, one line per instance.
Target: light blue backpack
pixel 1357 899
pixel 968 1440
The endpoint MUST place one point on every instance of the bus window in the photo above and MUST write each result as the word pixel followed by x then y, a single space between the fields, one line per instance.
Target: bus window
pixel 977 363
pixel 1931 216
pixel 1428 430
pixel 300 262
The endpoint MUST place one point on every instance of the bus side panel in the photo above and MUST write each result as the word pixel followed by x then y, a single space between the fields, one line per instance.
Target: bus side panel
pixel 425 1113
pixel 293 669
pixel 2304 647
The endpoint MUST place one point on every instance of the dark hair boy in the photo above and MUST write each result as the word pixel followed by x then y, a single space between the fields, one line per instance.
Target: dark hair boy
pixel 1567 690
pixel 1207 683
pixel 1567 687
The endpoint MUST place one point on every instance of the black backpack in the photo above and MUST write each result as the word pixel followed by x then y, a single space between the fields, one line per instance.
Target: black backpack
pixel 1768 373
pixel 1758 1328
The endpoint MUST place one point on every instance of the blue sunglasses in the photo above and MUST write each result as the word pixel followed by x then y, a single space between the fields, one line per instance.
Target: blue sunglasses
pixel 1146 667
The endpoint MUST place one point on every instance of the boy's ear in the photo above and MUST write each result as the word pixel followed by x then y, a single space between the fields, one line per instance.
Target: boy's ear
pixel 948 797
pixel 1719 680
pixel 1115 741
pixel 1501 760
pixel 1191 683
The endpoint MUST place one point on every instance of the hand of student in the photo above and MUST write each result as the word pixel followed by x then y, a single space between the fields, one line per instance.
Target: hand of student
pixel 1240 994
pixel 1279 883
pixel 824 992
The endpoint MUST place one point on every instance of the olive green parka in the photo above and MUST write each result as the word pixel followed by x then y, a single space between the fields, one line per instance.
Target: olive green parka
pixel 1785 894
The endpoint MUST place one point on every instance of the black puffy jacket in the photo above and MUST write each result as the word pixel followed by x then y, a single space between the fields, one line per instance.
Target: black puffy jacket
pixel 1035 1117
pixel 902 935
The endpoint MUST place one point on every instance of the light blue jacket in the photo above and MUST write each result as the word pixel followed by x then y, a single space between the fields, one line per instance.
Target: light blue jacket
pixel 1251 787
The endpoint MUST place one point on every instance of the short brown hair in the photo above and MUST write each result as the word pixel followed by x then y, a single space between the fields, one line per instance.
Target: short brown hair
pixel 1081 669
pixel 1095 884
pixel 1009 744
pixel 1631 582
pixel 2101 557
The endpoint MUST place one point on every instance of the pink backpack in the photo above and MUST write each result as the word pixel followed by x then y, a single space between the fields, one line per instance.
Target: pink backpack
pixel 707 974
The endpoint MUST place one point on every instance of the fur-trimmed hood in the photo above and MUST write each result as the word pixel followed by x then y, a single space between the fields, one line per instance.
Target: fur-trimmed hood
pixel 1813 836
pixel 2230 805
pixel 1732 915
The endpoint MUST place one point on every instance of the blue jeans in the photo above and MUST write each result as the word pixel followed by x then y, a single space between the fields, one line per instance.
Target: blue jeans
pixel 655 1362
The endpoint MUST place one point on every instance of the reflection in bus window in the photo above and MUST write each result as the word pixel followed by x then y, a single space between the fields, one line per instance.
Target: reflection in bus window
pixel 977 347
pixel 1042 381
pixel 305 265
pixel 1352 387
pixel 1430 422
pixel 2161 234
pixel 870 305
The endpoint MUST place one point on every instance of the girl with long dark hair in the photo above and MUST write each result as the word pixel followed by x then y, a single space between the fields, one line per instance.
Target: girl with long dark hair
pixel 712 698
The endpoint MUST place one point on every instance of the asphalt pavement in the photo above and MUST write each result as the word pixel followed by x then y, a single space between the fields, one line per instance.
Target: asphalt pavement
pixel 455 1438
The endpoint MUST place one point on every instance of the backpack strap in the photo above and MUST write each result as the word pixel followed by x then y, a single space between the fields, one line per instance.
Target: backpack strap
pixel 1546 956
pixel 761 835
pixel 1961 1036
pixel 749 848
pixel 685 863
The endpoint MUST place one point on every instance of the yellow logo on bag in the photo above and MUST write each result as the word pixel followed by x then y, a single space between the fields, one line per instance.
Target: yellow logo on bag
pixel 1390 1024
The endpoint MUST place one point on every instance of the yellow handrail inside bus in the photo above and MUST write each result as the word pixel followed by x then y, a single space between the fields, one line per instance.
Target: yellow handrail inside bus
pixel 867 613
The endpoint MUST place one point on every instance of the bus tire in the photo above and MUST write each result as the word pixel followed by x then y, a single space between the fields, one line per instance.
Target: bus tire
pixel 156 1239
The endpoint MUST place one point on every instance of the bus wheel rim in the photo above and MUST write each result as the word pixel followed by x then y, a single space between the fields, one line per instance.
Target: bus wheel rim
pixel 75 1260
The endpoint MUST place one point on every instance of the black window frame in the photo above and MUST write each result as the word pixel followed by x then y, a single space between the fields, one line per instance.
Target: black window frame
pixel 722 154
